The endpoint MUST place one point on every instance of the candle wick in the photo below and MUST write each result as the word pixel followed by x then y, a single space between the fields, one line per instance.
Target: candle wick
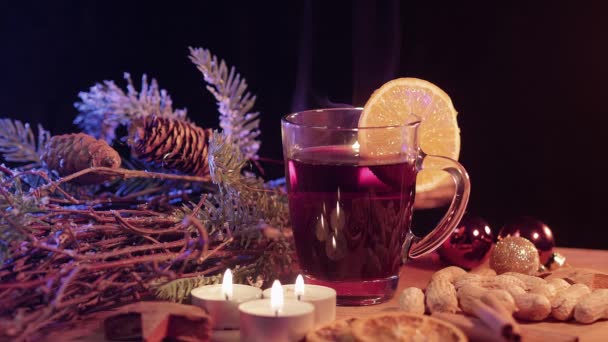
pixel 227 298
pixel 276 313
pixel 299 297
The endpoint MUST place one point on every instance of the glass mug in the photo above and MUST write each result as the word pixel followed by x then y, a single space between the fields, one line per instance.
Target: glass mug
pixel 351 211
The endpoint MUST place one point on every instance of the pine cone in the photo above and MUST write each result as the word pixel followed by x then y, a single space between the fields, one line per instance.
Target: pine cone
pixel 170 143
pixel 70 153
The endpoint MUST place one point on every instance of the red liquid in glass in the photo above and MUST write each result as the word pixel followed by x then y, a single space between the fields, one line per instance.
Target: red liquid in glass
pixel 350 215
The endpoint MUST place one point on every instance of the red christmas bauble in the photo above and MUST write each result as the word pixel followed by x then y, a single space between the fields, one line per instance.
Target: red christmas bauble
pixel 469 244
pixel 534 230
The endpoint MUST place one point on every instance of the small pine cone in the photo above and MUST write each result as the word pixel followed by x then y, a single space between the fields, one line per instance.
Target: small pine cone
pixel 170 143
pixel 70 153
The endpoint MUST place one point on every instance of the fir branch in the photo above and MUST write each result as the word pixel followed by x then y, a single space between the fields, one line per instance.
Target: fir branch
pixel 17 208
pixel 18 144
pixel 225 215
pixel 233 100
pixel 10 232
pixel 276 261
pixel 106 106
pixel 226 160
pixel 226 164
pixel 230 215
pixel 178 290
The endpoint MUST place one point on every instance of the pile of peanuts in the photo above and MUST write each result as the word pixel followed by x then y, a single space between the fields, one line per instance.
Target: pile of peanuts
pixel 527 297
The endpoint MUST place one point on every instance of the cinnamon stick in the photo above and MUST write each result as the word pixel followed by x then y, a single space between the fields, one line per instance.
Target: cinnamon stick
pixel 498 322
pixel 507 315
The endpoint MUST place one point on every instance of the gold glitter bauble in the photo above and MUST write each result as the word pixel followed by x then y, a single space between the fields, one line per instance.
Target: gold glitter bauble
pixel 514 254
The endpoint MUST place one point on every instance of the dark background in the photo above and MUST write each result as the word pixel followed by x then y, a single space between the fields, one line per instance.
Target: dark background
pixel 528 79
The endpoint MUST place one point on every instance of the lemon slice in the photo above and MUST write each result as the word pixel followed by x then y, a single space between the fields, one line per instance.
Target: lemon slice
pixel 396 326
pixel 338 330
pixel 405 327
pixel 405 100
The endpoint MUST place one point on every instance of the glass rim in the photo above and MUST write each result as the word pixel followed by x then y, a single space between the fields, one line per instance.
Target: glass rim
pixel 285 119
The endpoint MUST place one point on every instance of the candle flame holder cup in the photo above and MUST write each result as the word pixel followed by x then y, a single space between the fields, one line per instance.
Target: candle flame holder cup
pixel 224 312
pixel 261 322
pixel 321 297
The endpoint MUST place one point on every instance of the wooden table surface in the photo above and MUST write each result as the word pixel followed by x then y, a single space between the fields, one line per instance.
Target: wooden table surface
pixel 418 272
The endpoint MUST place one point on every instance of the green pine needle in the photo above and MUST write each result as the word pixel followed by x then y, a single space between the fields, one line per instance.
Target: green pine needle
pixel 18 143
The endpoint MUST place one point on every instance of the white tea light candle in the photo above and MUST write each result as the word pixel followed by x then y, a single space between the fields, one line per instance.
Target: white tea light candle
pixel 323 298
pixel 221 301
pixel 275 319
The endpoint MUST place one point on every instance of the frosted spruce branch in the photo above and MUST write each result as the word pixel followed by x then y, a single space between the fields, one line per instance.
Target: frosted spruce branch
pixel 233 100
pixel 106 106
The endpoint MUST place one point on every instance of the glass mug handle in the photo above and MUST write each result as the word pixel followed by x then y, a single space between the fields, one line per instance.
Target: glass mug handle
pixel 414 246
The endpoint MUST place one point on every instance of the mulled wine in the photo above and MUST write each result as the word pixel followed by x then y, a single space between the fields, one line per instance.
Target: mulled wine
pixel 350 215
pixel 351 185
